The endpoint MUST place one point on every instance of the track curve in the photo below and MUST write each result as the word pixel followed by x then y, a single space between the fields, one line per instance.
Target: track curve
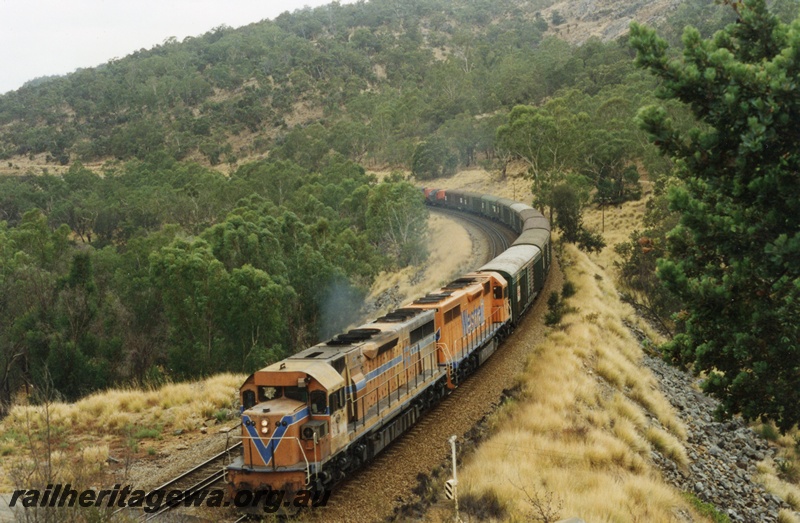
pixel 498 236
pixel 378 490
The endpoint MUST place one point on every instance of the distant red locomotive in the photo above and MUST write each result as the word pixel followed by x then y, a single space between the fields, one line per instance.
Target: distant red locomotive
pixel 310 419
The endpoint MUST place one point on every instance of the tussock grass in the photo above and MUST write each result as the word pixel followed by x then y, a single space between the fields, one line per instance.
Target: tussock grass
pixel 786 516
pixel 627 411
pixel 588 417
pixel 82 432
pixel 781 475
pixel 668 445
pixel 182 405
pixel 769 476
pixel 630 435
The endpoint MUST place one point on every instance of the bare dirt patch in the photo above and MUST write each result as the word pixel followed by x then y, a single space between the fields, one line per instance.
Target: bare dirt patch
pixel 453 251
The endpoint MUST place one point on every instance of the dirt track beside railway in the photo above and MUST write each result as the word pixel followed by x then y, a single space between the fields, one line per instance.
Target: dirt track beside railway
pixel 378 491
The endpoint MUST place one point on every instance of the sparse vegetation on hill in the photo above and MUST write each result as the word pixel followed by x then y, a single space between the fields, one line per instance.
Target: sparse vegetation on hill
pixel 372 81
pixel 146 263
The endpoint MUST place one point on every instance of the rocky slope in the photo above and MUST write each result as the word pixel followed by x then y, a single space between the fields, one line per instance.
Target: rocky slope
pixel 605 19
pixel 724 456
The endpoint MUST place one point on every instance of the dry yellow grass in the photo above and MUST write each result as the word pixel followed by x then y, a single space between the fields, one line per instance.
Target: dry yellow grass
pixel 620 222
pixel 769 476
pixel 786 516
pixel 179 405
pixel 781 476
pixel 446 261
pixel 121 408
pixel 589 416
pixel 85 429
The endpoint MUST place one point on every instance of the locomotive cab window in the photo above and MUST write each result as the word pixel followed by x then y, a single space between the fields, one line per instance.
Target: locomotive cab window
pixel 318 402
pixel 266 393
pixel 337 400
pixel 248 399
pixel 498 293
pixel 296 393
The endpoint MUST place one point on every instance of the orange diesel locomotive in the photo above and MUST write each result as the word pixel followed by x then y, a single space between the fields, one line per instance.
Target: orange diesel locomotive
pixel 310 419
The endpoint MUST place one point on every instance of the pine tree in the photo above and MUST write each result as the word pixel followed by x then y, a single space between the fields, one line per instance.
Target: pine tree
pixel 734 258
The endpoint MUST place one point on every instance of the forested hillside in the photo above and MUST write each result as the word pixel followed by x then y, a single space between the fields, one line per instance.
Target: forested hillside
pixel 180 271
pixel 141 261
pixel 369 80
pixel 203 205
pixel 372 74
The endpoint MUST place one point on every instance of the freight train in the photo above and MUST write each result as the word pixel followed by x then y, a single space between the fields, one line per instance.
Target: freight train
pixel 311 419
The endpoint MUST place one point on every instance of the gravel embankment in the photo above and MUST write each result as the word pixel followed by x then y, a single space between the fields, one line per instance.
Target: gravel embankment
pixel 723 455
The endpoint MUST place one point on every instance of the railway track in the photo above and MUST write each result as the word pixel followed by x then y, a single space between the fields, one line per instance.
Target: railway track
pixel 375 492
pixel 199 477
pixel 385 484
pixel 342 505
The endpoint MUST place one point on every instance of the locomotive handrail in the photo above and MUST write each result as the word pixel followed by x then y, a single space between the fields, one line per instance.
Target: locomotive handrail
pixel 446 351
pixel 450 362
pixel 299 445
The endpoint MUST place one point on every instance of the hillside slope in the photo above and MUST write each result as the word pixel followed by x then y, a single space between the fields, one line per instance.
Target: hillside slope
pixel 609 433
pixel 368 80
pixel 605 19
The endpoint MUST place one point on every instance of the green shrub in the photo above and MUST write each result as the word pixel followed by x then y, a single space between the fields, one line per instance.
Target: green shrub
pixel 151 433
pixel 706 509
pixel 555 309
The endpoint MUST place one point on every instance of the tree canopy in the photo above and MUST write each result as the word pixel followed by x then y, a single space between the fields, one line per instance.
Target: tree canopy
pixel 166 269
pixel 734 258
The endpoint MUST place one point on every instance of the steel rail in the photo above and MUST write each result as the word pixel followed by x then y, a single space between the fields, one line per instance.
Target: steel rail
pixel 203 483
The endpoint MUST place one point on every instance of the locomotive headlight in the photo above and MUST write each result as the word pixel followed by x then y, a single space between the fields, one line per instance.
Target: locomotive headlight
pixel 264 423
pixel 264 430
